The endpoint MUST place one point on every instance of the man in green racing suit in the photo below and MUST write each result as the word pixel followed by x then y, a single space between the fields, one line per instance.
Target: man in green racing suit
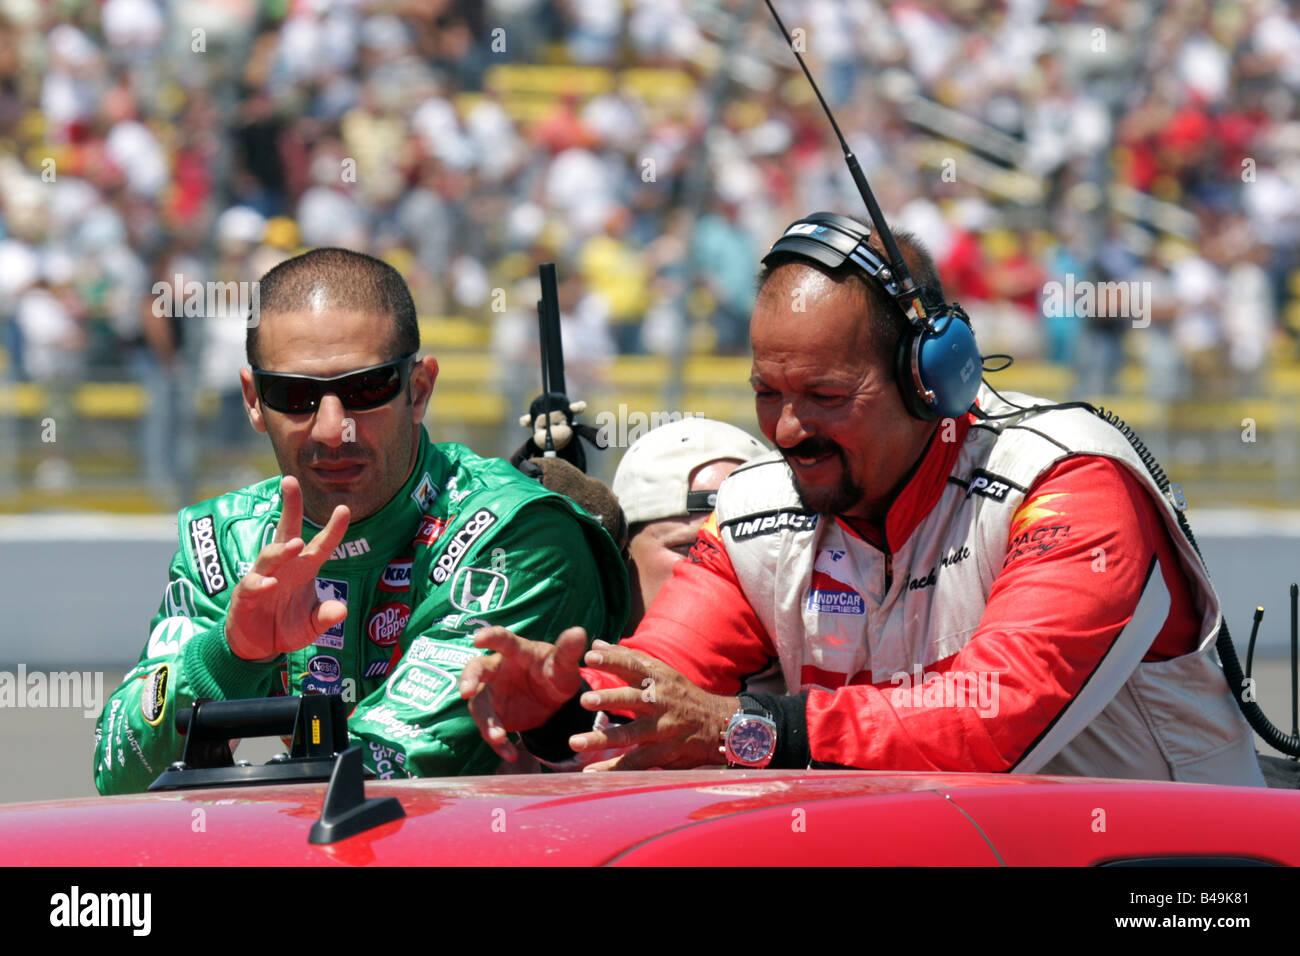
pixel 380 609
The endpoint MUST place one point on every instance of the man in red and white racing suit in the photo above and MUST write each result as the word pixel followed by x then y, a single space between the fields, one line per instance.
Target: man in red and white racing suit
pixel 964 595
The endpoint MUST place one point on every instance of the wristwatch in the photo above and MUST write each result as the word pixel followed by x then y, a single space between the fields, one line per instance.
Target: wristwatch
pixel 750 737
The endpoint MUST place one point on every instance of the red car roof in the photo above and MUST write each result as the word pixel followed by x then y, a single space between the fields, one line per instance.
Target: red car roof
pixel 665 817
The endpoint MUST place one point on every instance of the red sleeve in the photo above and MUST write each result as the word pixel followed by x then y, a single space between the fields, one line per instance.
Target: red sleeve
pixel 700 624
pixel 1078 556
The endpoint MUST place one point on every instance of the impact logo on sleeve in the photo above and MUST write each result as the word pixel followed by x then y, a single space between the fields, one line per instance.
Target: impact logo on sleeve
pixel 328 589
pixel 829 594
pixel 1043 537
pixel 203 541
pixel 460 544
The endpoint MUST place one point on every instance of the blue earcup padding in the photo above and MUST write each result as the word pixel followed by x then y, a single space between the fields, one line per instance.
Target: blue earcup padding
pixel 939 369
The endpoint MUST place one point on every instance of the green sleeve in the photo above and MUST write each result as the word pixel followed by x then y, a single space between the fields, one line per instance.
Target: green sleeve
pixel 537 576
pixel 185 657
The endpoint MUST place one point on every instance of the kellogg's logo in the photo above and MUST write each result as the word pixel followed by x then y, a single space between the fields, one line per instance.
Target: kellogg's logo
pixel 387 623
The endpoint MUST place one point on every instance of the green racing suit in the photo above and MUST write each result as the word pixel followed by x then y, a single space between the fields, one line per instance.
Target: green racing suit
pixel 467 542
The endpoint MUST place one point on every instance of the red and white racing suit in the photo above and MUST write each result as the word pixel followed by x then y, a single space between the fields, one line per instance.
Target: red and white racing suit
pixel 1029 605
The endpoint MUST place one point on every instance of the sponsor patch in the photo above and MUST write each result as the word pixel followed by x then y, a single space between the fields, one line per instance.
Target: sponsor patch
pixel 424 492
pixel 830 595
pixel 170 636
pixel 387 623
pixel 460 544
pixel 477 591
pixel 386 761
pixel 375 669
pixel 988 485
pixel 1035 509
pixel 178 599
pixel 431 528
pixel 397 576
pixel 742 529
pixel 421 685
pixel 153 699
pixel 325 668
pixel 314 685
pixel 350 549
pixel 203 542
pixel 329 589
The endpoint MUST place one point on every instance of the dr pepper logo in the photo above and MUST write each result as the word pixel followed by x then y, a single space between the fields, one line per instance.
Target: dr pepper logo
pixel 386 624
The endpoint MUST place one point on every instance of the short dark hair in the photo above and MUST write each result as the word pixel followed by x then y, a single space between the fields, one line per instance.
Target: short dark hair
pixel 341 279
pixel 887 319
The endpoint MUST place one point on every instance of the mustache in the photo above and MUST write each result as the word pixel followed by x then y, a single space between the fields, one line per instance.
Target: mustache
pixel 812 447
pixel 349 452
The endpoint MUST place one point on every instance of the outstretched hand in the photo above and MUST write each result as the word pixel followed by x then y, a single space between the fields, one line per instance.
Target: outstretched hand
pixel 522 685
pixel 274 608
pixel 678 725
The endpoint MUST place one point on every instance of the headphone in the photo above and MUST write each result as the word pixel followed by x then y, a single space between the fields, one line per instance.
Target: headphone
pixel 937 364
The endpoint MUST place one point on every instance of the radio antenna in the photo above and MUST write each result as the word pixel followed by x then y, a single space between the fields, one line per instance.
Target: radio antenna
pixel 910 294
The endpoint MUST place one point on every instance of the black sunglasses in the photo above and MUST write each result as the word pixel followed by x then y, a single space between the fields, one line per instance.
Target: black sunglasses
pixel 358 391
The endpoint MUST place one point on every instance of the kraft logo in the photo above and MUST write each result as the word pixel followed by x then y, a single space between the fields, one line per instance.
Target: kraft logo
pixel 397 576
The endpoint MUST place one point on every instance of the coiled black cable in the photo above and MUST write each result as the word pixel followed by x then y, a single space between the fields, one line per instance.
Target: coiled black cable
pixel 1288 744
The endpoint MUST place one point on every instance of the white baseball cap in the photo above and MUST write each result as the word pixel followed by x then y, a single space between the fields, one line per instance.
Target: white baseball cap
pixel 653 480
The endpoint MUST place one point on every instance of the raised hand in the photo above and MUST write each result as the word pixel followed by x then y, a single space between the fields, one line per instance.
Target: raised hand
pixel 274 608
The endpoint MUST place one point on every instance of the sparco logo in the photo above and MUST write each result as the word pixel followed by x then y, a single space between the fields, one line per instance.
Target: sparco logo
pixel 460 543
pixel 745 528
pixel 204 543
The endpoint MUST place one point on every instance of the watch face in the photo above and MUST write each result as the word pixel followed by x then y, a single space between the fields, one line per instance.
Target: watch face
pixel 752 741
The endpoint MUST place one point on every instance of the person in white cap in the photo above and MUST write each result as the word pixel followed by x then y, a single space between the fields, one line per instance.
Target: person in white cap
pixel 667 483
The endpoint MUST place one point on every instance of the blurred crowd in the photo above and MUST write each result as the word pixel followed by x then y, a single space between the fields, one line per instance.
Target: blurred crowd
pixel 1027 142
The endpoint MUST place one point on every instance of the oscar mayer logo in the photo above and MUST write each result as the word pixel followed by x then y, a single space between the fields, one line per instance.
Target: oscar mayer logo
pixel 829 593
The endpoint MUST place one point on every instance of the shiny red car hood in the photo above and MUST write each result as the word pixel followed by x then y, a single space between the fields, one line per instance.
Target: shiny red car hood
pixel 663 817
